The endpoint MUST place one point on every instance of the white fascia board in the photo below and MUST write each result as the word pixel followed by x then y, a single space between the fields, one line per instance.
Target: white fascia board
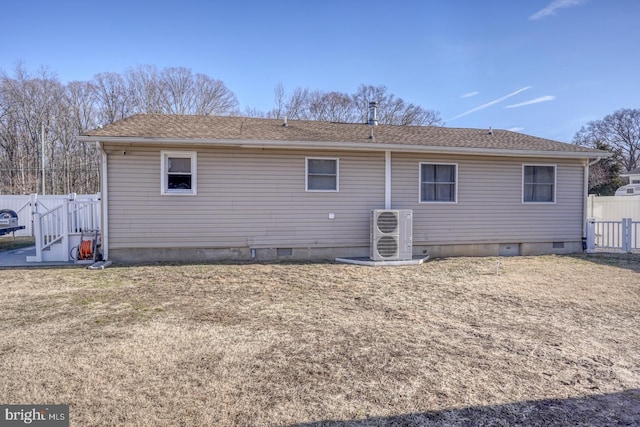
pixel 358 146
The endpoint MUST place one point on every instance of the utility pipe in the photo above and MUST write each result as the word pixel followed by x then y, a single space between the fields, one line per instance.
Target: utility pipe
pixel 387 179
pixel 104 202
pixel 585 208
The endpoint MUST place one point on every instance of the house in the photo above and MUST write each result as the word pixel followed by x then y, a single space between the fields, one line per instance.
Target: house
pixel 633 176
pixel 197 188
pixel 633 188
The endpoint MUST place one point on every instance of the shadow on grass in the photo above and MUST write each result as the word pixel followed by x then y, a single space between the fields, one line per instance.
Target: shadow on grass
pixel 621 260
pixel 616 409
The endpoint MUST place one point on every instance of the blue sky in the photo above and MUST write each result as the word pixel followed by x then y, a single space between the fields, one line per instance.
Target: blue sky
pixel 541 67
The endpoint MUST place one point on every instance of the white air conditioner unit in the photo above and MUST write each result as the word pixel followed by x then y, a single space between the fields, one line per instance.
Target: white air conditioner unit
pixel 391 234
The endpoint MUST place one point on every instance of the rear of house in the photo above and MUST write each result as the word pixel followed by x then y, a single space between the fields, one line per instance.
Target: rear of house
pixel 196 188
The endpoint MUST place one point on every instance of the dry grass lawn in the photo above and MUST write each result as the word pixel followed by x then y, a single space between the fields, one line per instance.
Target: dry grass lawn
pixel 551 340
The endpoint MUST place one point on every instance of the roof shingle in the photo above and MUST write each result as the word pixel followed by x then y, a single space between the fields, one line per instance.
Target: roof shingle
pixel 210 128
pixel 635 171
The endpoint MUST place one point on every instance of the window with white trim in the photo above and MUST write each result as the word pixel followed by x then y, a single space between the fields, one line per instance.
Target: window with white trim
pixel 438 182
pixel 538 183
pixel 179 172
pixel 321 174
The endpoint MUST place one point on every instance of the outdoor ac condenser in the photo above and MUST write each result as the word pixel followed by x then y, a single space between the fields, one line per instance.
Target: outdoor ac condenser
pixel 391 234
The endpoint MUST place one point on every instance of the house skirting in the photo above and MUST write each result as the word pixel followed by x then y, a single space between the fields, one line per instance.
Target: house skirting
pixel 500 249
pixel 245 254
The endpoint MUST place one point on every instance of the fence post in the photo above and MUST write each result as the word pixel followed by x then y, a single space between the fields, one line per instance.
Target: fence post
pixel 37 230
pixel 591 235
pixel 33 200
pixel 66 217
pixel 626 234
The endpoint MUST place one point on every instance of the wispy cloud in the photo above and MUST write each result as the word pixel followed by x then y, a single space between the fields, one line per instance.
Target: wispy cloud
pixel 532 101
pixel 470 94
pixel 516 129
pixel 551 8
pixel 490 103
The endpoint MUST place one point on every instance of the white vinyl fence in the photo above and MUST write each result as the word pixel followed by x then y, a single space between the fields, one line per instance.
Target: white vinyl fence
pixel 614 224
pixel 26 206
pixel 613 208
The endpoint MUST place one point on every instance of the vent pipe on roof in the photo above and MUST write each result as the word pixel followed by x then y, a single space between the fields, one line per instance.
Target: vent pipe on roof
pixel 373 113
pixel 490 130
pixel 285 122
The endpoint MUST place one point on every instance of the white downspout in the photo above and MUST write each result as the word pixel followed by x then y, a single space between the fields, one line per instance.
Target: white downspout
pixel 104 217
pixel 585 199
pixel 387 179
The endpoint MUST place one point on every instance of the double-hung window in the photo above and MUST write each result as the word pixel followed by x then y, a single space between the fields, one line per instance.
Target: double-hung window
pixel 179 172
pixel 538 183
pixel 321 174
pixel 438 182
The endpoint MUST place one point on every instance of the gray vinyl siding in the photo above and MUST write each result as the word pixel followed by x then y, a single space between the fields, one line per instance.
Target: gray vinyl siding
pixel 257 198
pixel 489 207
pixel 245 198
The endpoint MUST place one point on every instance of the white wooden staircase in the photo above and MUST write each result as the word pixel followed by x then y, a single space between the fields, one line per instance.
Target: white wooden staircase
pixel 59 231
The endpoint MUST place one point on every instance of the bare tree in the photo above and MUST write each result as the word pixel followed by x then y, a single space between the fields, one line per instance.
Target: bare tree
pixel 177 93
pixel 392 110
pixel 114 96
pixel 202 95
pixel 418 116
pixel 604 176
pixel 81 165
pixel 31 104
pixel 297 104
pixel 304 104
pixel 279 111
pixel 366 94
pixel 145 89
pixel 331 106
pixel 213 97
pixel 82 101
pixel 27 103
pixel 250 112
pixel 620 131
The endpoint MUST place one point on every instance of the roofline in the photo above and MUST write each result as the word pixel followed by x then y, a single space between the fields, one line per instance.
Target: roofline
pixel 332 145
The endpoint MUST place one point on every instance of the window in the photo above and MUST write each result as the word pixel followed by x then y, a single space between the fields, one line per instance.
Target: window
pixel 539 183
pixel 635 181
pixel 438 182
pixel 322 174
pixel 179 172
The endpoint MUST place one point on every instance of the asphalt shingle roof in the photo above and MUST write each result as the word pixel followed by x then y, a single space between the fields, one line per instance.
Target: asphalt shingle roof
pixel 635 171
pixel 209 128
